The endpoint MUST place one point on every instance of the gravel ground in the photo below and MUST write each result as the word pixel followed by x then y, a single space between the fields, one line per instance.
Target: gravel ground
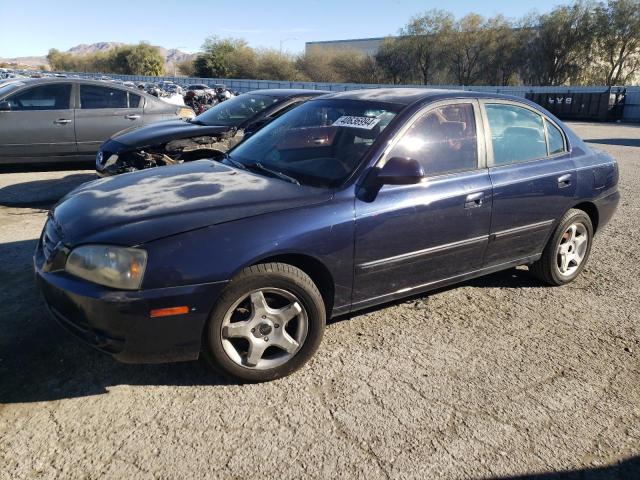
pixel 499 377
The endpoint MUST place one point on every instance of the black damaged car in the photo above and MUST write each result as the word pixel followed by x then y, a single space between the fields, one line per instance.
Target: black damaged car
pixel 218 129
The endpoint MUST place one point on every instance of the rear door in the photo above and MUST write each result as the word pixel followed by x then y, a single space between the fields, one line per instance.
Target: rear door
pixel 103 111
pixel 39 124
pixel 533 177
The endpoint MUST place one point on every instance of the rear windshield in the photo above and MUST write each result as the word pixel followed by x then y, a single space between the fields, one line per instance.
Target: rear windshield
pixel 236 110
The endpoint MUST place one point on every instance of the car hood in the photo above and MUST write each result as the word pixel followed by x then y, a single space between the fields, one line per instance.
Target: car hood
pixel 139 207
pixel 162 132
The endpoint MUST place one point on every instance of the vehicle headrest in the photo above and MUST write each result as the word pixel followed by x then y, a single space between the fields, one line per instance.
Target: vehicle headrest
pixel 452 129
pixel 526 132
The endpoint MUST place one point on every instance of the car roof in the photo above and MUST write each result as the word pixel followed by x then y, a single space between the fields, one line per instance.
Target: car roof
pixel 407 96
pixel 289 92
pixel 100 83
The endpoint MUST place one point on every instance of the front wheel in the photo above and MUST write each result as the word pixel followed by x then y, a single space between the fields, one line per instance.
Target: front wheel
pixel 567 251
pixel 266 324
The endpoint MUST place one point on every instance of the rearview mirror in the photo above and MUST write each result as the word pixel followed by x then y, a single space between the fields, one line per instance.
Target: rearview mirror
pixel 400 171
pixel 255 126
pixel 5 106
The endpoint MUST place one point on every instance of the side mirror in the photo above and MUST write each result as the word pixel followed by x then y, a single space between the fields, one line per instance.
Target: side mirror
pixel 400 171
pixel 5 106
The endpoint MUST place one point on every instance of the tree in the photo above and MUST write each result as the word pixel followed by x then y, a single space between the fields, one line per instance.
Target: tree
pixel 144 59
pixel 503 53
pixel 216 59
pixel 185 67
pixel 425 38
pixel 316 65
pixel 273 65
pixel 394 61
pixel 467 45
pixel 561 49
pixel 617 39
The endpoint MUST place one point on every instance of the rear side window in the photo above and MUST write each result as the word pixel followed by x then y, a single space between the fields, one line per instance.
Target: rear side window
pixel 517 134
pixel 44 97
pixel 442 140
pixel 555 138
pixel 134 100
pixel 92 96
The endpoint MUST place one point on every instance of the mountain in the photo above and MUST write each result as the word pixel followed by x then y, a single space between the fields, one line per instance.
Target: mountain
pixel 84 49
pixel 171 56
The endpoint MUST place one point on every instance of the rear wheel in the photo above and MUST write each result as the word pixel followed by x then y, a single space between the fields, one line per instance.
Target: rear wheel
pixel 266 324
pixel 567 251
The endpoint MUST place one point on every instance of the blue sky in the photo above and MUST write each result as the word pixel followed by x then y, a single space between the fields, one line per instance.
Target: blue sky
pixel 32 27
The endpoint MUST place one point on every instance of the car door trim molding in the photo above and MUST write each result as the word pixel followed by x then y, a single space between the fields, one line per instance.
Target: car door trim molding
pixel 522 229
pixel 425 252
pixel 405 292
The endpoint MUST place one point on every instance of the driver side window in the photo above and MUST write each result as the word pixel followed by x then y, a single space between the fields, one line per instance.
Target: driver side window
pixel 54 96
pixel 443 140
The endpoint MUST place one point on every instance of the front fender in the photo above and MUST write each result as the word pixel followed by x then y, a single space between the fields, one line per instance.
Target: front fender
pixel 217 253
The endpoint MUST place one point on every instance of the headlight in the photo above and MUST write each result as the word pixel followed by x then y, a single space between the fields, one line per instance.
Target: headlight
pixel 186 112
pixel 108 265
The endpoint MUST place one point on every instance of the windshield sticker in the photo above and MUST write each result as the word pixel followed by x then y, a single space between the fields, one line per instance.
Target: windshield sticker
pixel 356 122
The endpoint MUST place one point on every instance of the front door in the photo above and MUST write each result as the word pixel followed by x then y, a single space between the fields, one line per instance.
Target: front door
pixel 533 177
pixel 104 111
pixel 411 236
pixel 39 124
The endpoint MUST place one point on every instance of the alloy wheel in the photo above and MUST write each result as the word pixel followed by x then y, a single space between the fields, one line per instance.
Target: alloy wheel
pixel 572 248
pixel 264 329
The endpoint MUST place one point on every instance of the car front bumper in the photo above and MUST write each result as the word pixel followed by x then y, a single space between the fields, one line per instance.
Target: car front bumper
pixel 119 323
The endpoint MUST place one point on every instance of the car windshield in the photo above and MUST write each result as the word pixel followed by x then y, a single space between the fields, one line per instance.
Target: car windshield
pixel 236 110
pixel 319 143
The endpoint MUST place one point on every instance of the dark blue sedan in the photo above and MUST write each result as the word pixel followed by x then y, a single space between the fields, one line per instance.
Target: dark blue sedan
pixel 350 200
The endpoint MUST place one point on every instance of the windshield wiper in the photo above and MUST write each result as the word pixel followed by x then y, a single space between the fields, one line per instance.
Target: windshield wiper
pixel 283 176
pixel 235 163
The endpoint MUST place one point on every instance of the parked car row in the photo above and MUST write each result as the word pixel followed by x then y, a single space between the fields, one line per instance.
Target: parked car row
pixel 336 203
pixel 65 119
pixel 214 131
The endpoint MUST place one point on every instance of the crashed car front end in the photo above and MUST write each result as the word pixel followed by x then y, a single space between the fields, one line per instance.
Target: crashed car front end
pixel 115 157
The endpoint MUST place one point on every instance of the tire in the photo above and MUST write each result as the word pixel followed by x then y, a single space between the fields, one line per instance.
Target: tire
pixel 549 267
pixel 253 313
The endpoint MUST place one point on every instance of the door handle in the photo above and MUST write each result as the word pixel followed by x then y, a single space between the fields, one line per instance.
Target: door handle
pixel 62 121
pixel 133 116
pixel 474 200
pixel 564 181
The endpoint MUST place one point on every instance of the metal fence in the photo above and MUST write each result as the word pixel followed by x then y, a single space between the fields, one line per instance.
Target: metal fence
pixel 631 108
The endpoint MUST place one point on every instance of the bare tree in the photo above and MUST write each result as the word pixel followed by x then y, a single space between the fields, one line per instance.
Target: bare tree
pixel 617 39
pixel 561 49
pixel 467 45
pixel 425 38
pixel 394 61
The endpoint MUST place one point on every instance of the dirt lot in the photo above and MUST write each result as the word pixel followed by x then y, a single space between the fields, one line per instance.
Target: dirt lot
pixel 499 377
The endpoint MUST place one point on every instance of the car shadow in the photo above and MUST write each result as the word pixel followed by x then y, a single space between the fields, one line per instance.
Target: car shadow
pixel 48 167
pixel 627 469
pixel 40 361
pixel 41 193
pixel 511 278
pixel 622 142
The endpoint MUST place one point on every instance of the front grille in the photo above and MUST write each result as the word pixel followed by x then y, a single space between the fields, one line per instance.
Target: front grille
pixel 50 238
